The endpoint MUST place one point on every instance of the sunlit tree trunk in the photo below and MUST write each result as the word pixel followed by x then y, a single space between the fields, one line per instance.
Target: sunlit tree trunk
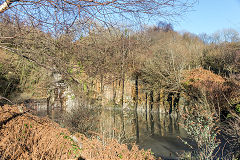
pixel 48 106
pixel 146 106
pixel 114 93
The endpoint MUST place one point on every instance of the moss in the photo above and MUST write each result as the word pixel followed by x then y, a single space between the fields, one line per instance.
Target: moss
pixel 237 108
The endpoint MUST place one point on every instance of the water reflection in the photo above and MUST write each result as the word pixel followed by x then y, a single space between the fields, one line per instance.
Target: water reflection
pixel 151 123
pixel 159 132
pixel 170 126
pixel 136 125
pixel 151 130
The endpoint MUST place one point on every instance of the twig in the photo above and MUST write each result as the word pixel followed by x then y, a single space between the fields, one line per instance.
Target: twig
pixel 1 97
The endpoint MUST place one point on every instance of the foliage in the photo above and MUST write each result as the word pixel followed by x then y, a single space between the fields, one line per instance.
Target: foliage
pixel 201 125
pixel 237 108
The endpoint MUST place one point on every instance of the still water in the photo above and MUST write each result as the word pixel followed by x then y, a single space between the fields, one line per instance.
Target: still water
pixel 159 132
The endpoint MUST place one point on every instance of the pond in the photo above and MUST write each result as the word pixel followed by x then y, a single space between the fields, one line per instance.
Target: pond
pixel 159 132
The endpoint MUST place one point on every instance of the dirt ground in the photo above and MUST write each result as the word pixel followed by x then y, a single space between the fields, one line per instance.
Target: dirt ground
pixel 24 136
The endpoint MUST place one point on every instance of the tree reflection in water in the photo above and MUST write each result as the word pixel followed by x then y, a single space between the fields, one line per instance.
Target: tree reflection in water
pixel 129 126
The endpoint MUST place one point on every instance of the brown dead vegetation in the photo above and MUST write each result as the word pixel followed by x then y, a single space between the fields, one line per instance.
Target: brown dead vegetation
pixel 221 93
pixel 200 82
pixel 198 77
pixel 24 136
pixel 214 84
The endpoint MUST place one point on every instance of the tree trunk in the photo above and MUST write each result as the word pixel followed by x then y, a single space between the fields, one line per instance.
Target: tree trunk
pixel 114 93
pixel 136 92
pixel 146 105
pixel 122 103
pixel 170 101
pixel 151 101
pixel 101 83
pixel 176 103
pixel 123 83
pixel 48 106
pixel 136 106
pixel 150 113
pixel 158 103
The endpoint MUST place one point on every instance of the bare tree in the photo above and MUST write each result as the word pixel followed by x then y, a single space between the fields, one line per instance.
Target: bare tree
pixel 221 36
pixel 64 13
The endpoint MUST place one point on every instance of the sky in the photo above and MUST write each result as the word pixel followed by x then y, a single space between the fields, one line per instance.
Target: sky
pixel 209 16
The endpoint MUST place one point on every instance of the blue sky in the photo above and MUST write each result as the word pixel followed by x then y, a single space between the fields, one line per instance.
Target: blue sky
pixel 209 16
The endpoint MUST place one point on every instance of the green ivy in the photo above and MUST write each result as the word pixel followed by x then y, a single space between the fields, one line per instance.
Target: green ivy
pixel 237 108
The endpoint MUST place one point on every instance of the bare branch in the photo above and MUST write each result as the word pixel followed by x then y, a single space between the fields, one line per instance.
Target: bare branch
pixel 5 5
pixel 63 13
pixel 50 68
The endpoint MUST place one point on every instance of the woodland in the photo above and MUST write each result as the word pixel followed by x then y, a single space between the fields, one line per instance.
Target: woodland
pixel 196 76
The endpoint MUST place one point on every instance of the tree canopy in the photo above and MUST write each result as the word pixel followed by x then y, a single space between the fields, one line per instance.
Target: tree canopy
pixel 62 14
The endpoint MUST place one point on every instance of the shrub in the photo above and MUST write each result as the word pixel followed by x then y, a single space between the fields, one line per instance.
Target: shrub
pixel 201 125
pixel 231 130
pixel 81 119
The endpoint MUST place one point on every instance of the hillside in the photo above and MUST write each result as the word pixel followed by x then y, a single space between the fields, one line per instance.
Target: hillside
pixel 24 136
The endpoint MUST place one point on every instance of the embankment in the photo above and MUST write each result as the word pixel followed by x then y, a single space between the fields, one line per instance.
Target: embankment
pixel 25 136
